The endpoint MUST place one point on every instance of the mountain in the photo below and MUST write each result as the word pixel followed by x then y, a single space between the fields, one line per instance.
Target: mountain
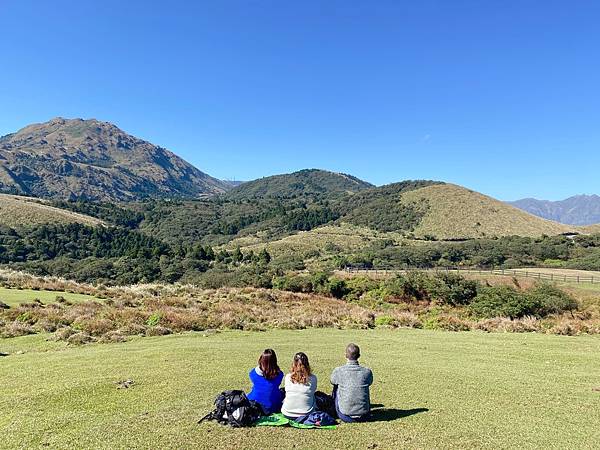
pixel 96 160
pixel 308 182
pixel 16 211
pixel 576 210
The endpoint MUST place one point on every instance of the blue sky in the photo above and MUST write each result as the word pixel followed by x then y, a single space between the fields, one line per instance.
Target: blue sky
pixel 502 97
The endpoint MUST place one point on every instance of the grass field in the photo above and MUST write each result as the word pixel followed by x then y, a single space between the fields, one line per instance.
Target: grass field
pixel 15 296
pixel 432 390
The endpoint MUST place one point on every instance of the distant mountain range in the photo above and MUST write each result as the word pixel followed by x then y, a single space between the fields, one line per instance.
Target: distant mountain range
pixel 576 210
pixel 95 160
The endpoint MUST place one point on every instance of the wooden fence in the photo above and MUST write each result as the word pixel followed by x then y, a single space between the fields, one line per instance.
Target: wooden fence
pixel 525 273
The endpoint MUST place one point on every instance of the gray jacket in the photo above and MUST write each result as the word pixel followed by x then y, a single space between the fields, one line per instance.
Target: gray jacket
pixel 353 381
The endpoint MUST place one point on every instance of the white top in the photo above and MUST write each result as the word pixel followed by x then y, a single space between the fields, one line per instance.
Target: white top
pixel 299 398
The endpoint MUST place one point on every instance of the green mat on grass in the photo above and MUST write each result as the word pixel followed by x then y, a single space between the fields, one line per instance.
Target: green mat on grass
pixel 279 420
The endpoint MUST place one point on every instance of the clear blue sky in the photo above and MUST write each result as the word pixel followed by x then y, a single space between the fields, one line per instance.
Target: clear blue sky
pixel 499 96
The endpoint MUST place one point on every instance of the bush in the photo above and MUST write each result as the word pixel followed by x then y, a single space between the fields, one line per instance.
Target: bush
pixel 453 289
pixel 79 339
pixel 158 331
pixel 502 301
pixel 154 319
pixel 337 288
pixel 293 283
pixel 383 321
pixel 16 329
pixel 552 300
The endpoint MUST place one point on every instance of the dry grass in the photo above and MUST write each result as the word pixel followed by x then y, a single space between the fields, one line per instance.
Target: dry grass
pixel 333 239
pixel 457 212
pixel 151 310
pixel 16 211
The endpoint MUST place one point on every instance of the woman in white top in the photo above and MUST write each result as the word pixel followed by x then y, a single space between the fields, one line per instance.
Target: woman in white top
pixel 300 387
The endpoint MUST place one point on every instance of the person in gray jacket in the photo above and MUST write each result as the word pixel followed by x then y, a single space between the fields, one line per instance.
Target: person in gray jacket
pixel 351 388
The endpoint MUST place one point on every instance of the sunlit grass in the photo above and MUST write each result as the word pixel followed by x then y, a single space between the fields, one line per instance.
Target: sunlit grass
pixel 474 390
pixel 15 296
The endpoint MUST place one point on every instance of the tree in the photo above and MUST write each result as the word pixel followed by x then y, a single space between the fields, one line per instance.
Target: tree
pixel 264 256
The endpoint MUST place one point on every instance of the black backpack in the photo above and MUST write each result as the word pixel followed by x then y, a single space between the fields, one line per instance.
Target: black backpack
pixel 234 409
pixel 325 403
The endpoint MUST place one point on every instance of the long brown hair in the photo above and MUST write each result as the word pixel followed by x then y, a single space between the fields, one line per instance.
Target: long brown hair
pixel 268 364
pixel 300 370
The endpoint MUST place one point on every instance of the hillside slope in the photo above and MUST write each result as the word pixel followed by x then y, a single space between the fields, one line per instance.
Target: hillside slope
pixel 576 210
pixel 95 160
pixel 454 212
pixel 301 183
pixel 18 211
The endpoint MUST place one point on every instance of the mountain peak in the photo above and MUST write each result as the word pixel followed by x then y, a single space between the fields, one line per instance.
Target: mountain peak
pixel 304 182
pixel 88 158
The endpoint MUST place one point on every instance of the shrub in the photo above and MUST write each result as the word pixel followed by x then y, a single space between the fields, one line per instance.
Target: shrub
pixel 407 319
pixel 451 323
pixel 551 300
pixel 112 336
pixel 80 339
pixel 62 334
pixel 158 331
pixel 453 289
pixel 16 329
pixel 337 288
pixel 293 283
pixel 382 321
pixel 154 319
pixel 502 301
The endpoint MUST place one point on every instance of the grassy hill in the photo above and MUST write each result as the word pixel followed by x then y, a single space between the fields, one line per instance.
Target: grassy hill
pixel 253 214
pixel 431 390
pixel 18 211
pixel 592 228
pixel 454 212
pixel 307 182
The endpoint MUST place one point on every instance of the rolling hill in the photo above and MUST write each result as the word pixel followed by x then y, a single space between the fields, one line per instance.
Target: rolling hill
pixel 269 211
pixel 17 211
pixel 591 228
pixel 95 160
pixel 576 210
pixel 308 182
pixel 454 212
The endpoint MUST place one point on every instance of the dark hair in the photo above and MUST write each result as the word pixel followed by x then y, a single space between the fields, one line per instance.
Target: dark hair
pixel 300 370
pixel 352 352
pixel 268 364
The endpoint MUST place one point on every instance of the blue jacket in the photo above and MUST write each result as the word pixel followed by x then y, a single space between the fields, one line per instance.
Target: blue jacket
pixel 266 392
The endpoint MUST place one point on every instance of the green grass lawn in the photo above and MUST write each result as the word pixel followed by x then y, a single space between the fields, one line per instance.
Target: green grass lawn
pixel 473 390
pixel 15 296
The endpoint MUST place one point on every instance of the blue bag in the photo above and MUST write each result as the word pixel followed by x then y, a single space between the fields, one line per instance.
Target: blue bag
pixel 317 419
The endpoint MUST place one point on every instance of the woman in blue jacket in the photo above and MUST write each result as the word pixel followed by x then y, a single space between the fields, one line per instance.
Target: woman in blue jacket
pixel 266 378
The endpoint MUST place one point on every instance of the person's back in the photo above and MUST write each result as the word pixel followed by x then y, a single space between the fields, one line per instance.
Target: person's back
pixel 300 387
pixel 351 387
pixel 266 378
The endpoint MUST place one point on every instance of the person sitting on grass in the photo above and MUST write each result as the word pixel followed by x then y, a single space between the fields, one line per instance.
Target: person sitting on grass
pixel 300 387
pixel 266 378
pixel 351 388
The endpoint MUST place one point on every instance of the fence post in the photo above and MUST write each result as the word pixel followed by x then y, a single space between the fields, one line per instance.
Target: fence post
pixel 578 278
